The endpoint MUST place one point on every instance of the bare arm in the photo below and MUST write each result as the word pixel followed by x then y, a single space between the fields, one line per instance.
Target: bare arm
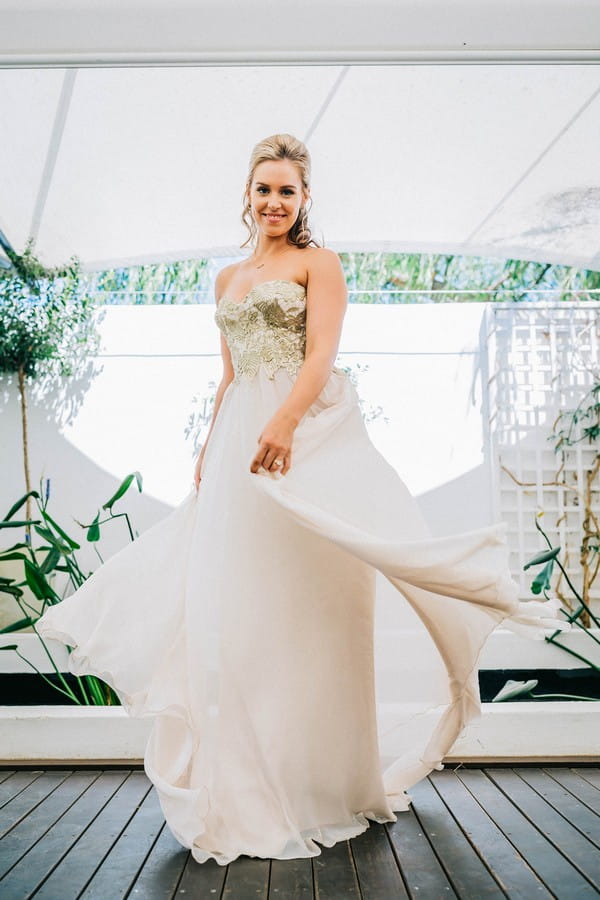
pixel 226 378
pixel 326 303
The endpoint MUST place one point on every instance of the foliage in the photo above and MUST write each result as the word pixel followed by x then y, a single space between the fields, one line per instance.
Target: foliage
pixel 372 277
pixel 460 279
pixel 182 281
pixel 56 554
pixel 200 417
pixel 541 585
pixel 572 427
pixel 46 324
pixel 48 328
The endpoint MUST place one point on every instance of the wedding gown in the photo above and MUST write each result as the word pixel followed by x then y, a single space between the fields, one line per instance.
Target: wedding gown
pixel 243 621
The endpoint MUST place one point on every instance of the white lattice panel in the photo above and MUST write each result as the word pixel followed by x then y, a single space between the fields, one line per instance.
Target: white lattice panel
pixel 542 358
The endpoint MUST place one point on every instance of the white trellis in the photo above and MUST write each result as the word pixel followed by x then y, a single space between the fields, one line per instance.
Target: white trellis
pixel 541 360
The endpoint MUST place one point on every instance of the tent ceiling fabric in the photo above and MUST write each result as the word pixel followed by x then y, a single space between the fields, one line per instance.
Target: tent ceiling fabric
pixel 257 31
pixel 128 164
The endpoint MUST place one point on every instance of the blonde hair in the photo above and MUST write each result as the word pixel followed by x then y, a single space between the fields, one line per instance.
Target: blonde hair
pixel 281 146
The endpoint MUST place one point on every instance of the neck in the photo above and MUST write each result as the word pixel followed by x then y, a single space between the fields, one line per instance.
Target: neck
pixel 267 246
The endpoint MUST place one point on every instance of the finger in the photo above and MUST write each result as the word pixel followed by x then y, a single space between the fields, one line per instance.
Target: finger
pixel 286 463
pixel 256 462
pixel 270 459
pixel 265 455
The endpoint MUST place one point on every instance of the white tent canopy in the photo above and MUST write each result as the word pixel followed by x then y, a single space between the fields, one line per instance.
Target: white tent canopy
pixel 127 127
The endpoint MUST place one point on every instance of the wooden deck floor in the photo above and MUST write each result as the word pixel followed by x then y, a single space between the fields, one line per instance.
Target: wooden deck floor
pixel 472 833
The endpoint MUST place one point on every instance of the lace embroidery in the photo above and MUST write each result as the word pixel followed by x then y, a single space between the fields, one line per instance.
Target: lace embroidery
pixel 267 328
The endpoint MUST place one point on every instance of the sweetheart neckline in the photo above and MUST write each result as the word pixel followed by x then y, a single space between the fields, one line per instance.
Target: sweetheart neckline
pixel 260 284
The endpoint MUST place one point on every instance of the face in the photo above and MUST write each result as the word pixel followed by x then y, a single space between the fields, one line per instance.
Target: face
pixel 276 196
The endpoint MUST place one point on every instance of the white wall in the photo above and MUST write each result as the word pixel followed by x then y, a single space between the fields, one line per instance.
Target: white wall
pixel 423 371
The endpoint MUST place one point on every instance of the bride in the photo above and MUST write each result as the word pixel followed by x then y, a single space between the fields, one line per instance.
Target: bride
pixel 242 623
pixel 276 200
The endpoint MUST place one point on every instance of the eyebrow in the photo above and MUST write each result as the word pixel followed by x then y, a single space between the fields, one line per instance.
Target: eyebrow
pixel 264 184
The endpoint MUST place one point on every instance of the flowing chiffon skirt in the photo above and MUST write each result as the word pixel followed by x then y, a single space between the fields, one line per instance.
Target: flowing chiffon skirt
pixel 243 623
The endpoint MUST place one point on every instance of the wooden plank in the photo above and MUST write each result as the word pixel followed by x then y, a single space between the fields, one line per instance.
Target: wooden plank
pixel 33 827
pixel 202 879
pixel 162 869
pixel 117 873
pixel 578 786
pixel 509 869
pixel 590 774
pixel 376 865
pixel 556 872
pixel 421 869
pixel 77 867
pixel 247 877
pixel 334 873
pixel 36 865
pixel 519 832
pixel 570 842
pixel 466 872
pixel 291 879
pixel 10 787
pixel 30 797
pixel 582 818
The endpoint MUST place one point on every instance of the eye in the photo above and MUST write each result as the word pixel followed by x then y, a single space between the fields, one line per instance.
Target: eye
pixel 262 188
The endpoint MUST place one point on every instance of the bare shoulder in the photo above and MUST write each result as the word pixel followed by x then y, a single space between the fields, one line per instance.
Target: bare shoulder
pixel 222 279
pixel 324 269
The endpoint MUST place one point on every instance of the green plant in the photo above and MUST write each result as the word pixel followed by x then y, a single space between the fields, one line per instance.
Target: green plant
pixel 56 554
pixel 389 277
pixel 48 328
pixel 572 427
pixel 541 585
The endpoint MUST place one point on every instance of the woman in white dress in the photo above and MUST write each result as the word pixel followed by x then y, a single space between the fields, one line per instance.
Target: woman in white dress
pixel 243 622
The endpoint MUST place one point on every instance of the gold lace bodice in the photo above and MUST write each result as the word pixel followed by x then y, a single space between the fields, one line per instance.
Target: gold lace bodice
pixel 266 328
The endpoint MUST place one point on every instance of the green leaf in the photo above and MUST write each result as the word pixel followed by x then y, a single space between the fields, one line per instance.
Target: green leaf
pixel 20 524
pixel 543 557
pixel 93 532
pixel 123 488
pixel 16 626
pixel 53 540
pixel 541 582
pixel 11 589
pixel 20 503
pixel 73 544
pixel 37 582
pixel 51 560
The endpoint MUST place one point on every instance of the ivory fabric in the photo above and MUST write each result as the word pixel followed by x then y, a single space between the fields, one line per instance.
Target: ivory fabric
pixel 243 621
